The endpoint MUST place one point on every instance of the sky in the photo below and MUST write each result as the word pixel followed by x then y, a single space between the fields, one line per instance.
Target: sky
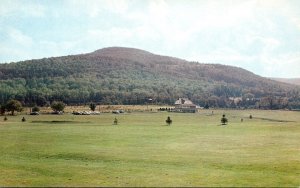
pixel 262 36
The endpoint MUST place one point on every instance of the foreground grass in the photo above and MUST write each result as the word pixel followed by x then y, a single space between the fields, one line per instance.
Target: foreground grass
pixel 142 151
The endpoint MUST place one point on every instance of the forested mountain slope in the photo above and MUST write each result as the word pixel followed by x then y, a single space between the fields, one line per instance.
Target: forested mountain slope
pixel 295 81
pixel 130 76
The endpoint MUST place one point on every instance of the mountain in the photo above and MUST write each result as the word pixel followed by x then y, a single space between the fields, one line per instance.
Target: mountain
pixel 294 81
pixel 119 75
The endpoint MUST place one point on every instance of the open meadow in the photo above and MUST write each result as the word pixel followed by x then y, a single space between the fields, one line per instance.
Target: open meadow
pixel 70 150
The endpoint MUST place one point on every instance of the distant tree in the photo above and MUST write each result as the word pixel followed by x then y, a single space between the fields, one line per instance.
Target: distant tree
pixel 35 109
pixel 2 109
pixel 248 96
pixel 169 121
pixel 23 119
pixel 115 121
pixel 206 106
pixel 224 120
pixel 213 101
pixel 269 102
pixel 232 104
pixel 5 118
pixel 93 106
pixel 250 117
pixel 13 105
pixel 57 106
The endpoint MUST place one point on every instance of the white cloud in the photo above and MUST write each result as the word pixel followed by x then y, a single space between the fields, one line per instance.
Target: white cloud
pixel 286 65
pixel 18 8
pixel 112 35
pixel 268 44
pixel 94 8
pixel 14 45
pixel 20 38
pixel 223 55
pixel 9 54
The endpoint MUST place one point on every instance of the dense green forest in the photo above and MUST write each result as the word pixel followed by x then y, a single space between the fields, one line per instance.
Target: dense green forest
pixel 131 76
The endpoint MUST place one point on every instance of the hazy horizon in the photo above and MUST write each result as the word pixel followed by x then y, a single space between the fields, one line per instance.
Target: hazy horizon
pixel 262 36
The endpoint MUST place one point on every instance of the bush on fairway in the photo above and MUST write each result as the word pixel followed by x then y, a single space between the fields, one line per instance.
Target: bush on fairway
pixel 169 121
pixel 116 121
pixel 224 120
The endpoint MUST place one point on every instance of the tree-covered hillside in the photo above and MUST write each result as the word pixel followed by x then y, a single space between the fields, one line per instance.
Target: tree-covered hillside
pixel 131 76
pixel 295 81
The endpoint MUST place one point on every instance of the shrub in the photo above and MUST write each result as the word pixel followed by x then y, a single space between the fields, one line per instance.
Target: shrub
pixel 35 109
pixel 224 120
pixel 169 121
pixel 116 121
pixel 93 106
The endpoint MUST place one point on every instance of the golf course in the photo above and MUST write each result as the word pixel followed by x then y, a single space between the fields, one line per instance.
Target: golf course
pixel 142 150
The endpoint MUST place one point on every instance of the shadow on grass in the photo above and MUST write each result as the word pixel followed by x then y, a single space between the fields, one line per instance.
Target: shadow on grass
pixel 274 120
pixel 59 122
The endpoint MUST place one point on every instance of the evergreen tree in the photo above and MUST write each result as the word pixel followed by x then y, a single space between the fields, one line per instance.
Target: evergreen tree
pixel 92 106
pixel 35 109
pixel 169 121
pixel 116 121
pixel 2 109
pixel 206 106
pixel 224 120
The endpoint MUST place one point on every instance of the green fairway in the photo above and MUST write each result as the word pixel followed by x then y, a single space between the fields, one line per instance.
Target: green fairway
pixel 69 150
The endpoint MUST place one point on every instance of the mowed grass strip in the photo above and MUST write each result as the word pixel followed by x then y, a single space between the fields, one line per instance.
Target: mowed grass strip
pixel 143 151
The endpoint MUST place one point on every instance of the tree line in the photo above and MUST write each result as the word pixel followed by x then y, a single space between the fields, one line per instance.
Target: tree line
pixel 81 91
pixel 13 106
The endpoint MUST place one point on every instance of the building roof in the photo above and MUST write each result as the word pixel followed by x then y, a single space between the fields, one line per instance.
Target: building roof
pixel 183 101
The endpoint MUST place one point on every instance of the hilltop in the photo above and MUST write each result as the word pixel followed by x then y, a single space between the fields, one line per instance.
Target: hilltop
pixel 118 75
pixel 295 81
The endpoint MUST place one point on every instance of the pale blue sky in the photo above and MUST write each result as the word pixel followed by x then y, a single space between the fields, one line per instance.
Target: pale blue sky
pixel 262 36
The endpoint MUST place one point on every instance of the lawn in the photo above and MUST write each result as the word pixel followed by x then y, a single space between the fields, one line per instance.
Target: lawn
pixel 68 150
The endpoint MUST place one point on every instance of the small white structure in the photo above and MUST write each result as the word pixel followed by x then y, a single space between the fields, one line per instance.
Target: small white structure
pixel 185 105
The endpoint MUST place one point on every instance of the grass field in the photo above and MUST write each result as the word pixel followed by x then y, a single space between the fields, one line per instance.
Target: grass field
pixel 68 150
